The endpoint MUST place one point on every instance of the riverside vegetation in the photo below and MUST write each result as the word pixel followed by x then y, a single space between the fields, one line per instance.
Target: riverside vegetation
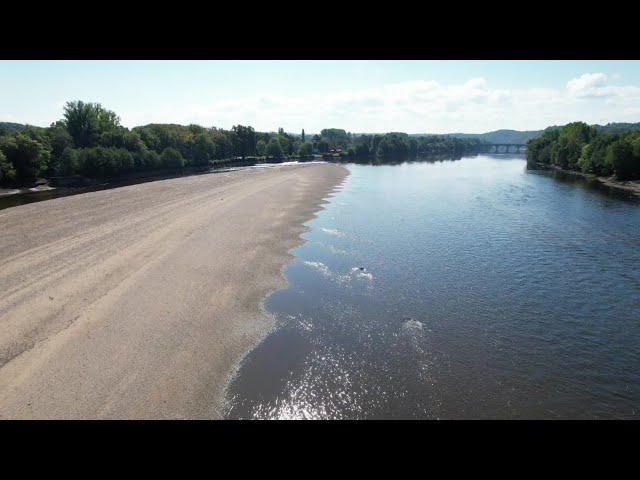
pixel 581 147
pixel 90 141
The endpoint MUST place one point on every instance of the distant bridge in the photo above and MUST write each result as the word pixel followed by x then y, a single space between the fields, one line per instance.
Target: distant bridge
pixel 505 147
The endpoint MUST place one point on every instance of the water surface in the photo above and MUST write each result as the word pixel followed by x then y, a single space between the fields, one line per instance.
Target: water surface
pixel 458 289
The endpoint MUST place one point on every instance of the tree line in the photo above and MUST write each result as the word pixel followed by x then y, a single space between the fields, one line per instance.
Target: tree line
pixel 90 141
pixel 581 147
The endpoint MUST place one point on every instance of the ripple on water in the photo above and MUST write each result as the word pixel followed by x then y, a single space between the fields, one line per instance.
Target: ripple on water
pixel 498 294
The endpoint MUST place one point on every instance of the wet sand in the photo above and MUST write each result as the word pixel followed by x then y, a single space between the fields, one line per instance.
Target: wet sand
pixel 138 302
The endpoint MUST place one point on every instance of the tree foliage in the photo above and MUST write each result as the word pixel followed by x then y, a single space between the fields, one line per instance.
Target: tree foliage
pixel 203 150
pixel 306 148
pixel 7 172
pixel 27 156
pixel 578 146
pixel 89 140
pixel 244 141
pixel 274 149
pixel 336 137
pixel 171 158
pixel 87 122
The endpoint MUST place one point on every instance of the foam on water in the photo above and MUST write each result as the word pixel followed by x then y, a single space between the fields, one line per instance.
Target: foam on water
pixel 333 231
pixel 319 266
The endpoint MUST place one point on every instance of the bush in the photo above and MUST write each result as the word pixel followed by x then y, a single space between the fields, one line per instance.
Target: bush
pixel 150 160
pixel 7 172
pixel 171 158
pixel 27 157
pixel 69 162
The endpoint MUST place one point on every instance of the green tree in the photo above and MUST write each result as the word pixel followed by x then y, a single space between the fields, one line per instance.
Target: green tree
pixel 539 149
pixel 362 150
pixel 261 148
pixel 584 162
pixel 173 136
pixel 203 150
pixel 578 145
pixel 223 141
pixel 384 147
pixel 625 164
pixel 274 149
pixel 171 158
pixel 323 146
pixel 133 142
pixel 413 146
pixel 7 172
pixel 375 141
pixel 88 163
pixel 336 137
pixel 244 141
pixel 98 162
pixel 124 161
pixel 59 139
pixel 196 129
pixel 286 144
pixel 150 160
pixel 149 137
pixel 69 162
pixel 28 157
pixel 86 122
pixel 306 148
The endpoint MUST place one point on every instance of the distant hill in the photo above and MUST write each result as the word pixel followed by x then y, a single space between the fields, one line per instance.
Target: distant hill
pixel 521 137
pixel 498 136
pixel 617 127
pixel 11 127
pixel 501 136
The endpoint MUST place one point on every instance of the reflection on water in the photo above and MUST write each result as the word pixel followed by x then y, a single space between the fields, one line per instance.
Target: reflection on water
pixel 466 289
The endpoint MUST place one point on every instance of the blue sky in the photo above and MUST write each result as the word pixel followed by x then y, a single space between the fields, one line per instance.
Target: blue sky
pixel 359 96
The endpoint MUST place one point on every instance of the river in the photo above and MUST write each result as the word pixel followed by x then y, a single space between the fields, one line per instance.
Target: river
pixel 465 289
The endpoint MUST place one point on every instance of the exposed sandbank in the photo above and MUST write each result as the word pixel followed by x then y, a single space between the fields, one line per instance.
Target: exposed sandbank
pixel 137 302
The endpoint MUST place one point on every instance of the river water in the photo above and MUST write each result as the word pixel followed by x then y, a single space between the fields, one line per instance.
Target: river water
pixel 456 289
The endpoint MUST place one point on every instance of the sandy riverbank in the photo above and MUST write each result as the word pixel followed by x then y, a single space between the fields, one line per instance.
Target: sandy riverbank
pixel 631 185
pixel 137 302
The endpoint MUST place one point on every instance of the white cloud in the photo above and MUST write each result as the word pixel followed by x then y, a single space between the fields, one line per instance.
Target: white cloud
pixel 418 106
pixel 589 85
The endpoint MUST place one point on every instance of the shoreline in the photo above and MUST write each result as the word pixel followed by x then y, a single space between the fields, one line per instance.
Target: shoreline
pixel 140 302
pixel 284 284
pixel 628 185
pixel 78 181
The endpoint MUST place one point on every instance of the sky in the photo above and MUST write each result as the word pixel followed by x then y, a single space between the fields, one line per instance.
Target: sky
pixel 359 96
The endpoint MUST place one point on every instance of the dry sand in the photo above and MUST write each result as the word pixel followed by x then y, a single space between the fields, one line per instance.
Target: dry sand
pixel 138 302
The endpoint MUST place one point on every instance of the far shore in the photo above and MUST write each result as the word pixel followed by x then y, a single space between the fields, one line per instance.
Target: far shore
pixel 138 302
pixel 78 181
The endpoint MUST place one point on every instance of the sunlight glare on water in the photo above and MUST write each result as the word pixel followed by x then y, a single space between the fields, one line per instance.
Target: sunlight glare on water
pixel 458 289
